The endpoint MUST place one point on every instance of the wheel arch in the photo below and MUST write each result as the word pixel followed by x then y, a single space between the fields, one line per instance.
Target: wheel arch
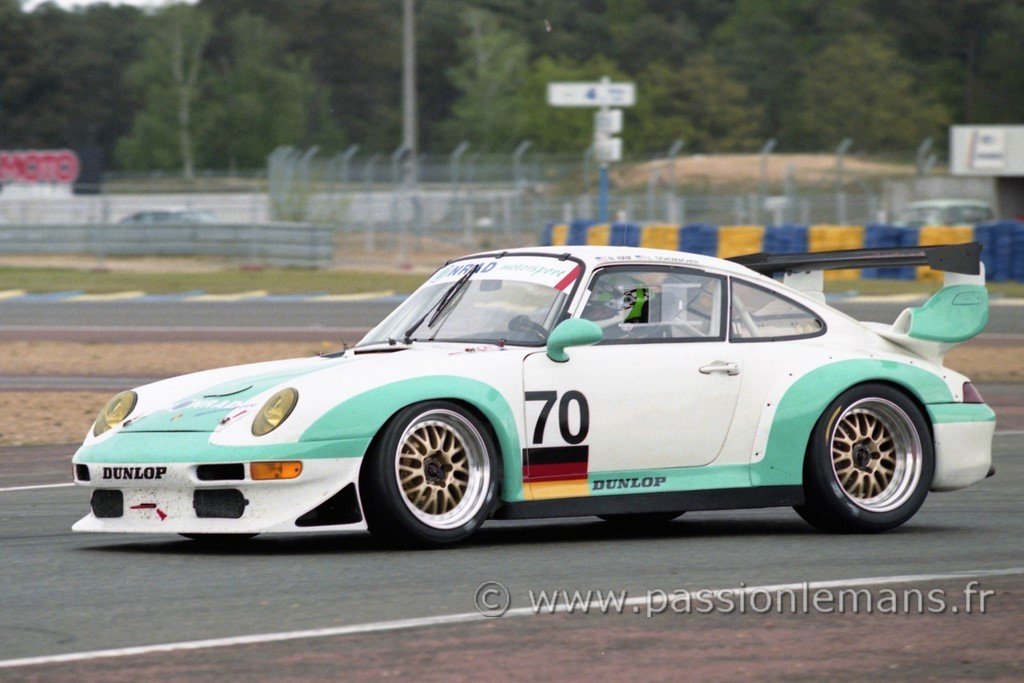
pixel 367 415
pixel 463 403
pixel 904 390
pixel 805 400
pixel 911 395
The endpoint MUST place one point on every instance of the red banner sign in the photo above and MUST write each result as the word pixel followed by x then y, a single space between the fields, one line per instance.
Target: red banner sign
pixel 39 166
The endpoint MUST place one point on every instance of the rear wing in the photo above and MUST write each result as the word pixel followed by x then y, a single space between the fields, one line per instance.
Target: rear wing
pixel 952 258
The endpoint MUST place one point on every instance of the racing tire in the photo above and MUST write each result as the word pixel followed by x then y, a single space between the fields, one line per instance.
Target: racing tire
pixel 431 477
pixel 869 463
pixel 641 519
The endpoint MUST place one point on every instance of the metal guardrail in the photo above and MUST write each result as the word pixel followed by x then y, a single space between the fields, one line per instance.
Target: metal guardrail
pixel 278 244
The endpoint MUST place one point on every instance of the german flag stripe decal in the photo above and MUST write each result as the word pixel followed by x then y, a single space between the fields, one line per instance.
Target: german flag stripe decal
pixel 567 470
pixel 555 463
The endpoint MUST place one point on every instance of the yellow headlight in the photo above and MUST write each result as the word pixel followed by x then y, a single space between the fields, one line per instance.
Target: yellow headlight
pixel 275 411
pixel 115 412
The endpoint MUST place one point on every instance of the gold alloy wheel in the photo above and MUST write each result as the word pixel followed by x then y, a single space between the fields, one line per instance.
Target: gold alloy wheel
pixel 876 454
pixel 442 469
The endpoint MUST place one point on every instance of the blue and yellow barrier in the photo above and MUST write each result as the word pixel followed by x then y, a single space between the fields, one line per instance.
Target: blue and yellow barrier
pixel 736 240
pixel 997 249
pixel 659 236
pixel 1002 242
pixel 836 238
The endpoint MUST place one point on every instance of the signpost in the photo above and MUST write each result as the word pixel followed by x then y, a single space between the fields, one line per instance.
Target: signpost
pixel 606 96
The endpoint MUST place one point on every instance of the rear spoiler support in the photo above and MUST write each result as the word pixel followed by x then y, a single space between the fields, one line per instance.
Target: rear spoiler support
pixel 953 258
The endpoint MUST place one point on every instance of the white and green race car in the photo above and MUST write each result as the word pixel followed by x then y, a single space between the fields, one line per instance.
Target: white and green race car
pixel 630 384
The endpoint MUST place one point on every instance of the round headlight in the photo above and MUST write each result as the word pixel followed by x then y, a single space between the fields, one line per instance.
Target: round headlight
pixel 115 412
pixel 275 411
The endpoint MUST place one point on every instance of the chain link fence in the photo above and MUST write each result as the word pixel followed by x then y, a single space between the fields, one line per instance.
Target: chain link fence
pixel 400 205
pixel 397 201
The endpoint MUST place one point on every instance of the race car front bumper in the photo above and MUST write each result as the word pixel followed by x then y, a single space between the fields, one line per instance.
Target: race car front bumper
pixel 182 498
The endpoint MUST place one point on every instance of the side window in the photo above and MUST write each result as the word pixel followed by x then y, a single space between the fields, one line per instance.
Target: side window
pixel 656 303
pixel 760 315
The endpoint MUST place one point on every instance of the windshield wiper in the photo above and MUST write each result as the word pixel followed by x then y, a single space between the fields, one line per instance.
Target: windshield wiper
pixel 442 303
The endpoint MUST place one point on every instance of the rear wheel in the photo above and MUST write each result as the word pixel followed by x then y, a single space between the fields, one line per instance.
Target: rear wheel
pixel 869 464
pixel 432 476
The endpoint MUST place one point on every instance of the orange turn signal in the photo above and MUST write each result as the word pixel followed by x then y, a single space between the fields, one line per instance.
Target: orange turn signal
pixel 288 469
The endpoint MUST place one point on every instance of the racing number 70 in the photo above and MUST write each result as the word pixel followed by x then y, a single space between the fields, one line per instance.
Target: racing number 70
pixel 568 398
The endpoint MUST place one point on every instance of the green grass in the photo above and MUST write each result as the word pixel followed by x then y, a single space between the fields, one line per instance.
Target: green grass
pixel 273 280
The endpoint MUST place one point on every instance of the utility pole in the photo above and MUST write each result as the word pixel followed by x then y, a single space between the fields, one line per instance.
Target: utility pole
pixel 409 77
pixel 767 149
pixel 602 136
pixel 409 143
pixel 841 151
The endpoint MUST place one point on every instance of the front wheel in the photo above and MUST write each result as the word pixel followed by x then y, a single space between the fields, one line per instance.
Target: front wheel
pixel 431 477
pixel 869 464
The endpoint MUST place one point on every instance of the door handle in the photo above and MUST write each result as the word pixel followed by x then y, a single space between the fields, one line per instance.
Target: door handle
pixel 730 369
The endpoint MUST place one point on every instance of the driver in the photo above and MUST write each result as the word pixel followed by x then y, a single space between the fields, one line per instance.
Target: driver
pixel 616 311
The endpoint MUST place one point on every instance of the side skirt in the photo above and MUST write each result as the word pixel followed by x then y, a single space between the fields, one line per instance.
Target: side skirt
pixel 682 501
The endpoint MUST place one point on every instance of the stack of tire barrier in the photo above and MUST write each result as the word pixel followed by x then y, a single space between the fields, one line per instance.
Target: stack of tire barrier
pixel 1002 253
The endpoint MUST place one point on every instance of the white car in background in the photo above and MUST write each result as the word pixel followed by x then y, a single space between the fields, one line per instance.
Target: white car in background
pixel 944 212
pixel 169 217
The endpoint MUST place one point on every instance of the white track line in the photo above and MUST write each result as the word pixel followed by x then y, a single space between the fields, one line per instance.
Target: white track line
pixel 462 618
pixel 36 486
pixel 364 296
pixel 109 296
pixel 233 296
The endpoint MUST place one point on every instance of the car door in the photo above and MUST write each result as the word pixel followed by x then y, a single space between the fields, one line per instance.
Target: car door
pixel 659 391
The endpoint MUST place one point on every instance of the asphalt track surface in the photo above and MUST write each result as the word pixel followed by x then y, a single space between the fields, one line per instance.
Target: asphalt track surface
pixel 75 593
pixel 343 605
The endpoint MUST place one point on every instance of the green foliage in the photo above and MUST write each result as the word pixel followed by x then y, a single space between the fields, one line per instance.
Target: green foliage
pixel 701 103
pixel 1000 96
pixel 640 37
pixel 490 80
pixel 860 88
pixel 237 108
pixel 258 101
pixel 169 78
pixel 724 74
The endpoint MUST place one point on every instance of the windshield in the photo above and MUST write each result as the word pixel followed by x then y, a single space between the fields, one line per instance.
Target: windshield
pixel 506 299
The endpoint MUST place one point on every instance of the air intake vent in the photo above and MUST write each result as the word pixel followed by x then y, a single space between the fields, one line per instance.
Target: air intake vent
pixel 219 503
pixel 232 472
pixel 107 504
pixel 82 472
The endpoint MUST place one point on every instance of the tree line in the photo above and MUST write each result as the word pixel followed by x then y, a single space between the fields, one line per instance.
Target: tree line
pixel 222 83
